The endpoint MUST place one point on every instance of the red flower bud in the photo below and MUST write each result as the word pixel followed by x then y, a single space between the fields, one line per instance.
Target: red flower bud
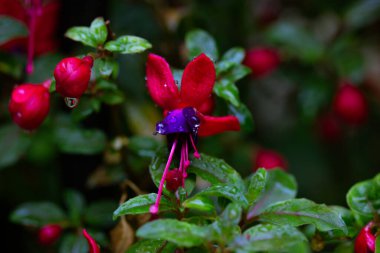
pixel 350 105
pixel 72 76
pixel 269 159
pixel 173 180
pixel 261 61
pixel 365 241
pixel 29 105
pixel 49 234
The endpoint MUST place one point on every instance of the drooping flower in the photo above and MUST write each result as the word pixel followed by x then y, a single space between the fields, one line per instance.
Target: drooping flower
pixel 29 104
pixel 72 75
pixel 49 234
pixel 262 60
pixel 41 20
pixel 365 241
pixel 184 112
pixel 269 159
pixel 94 247
pixel 350 104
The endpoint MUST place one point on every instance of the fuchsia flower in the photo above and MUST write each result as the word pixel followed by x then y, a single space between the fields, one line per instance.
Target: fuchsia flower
pixel 94 247
pixel 350 104
pixel 262 60
pixel 49 234
pixel 269 159
pixel 29 104
pixel 365 241
pixel 41 17
pixel 183 109
pixel 72 76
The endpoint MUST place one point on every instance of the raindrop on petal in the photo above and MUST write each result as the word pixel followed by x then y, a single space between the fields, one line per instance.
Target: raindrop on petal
pixel 71 102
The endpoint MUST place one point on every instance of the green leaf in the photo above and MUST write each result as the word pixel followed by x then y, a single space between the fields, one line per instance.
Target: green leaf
pixel 11 28
pixel 144 146
pixel 141 204
pixel 82 34
pixel 44 67
pixel 112 97
pixel 73 243
pixel 279 186
pixel 256 186
pixel 92 36
pixel 225 190
pixel 199 41
pixel 200 203
pixel 75 204
pixel 297 212
pixel 156 167
pixel 13 144
pixel 104 67
pixel 37 214
pixel 235 55
pixel 244 116
pixel 231 214
pixel 216 171
pixel 295 40
pixel 237 72
pixel 80 141
pixel 100 213
pixel 178 232
pixel 228 91
pixel 377 246
pixel 12 64
pixel 98 30
pixel 268 237
pixel 128 45
pixel 145 246
pixel 364 198
pixel 362 13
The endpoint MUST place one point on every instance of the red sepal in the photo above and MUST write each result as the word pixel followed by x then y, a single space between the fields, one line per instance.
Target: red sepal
pixel 197 81
pixel 214 125
pixel 94 247
pixel 160 83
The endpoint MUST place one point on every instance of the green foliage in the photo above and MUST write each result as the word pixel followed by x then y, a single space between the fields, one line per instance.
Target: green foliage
pixel 92 36
pixel 363 198
pixel 141 204
pixel 296 212
pixel 128 45
pixel 13 144
pixel 268 237
pixel 37 214
pixel 18 29
pixel 199 41
pixel 80 141
pixel 178 232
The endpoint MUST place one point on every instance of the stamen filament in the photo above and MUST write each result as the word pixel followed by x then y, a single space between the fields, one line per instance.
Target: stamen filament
pixel 196 153
pixel 154 208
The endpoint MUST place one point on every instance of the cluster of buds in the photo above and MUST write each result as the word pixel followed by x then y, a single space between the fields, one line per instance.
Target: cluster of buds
pixel 30 103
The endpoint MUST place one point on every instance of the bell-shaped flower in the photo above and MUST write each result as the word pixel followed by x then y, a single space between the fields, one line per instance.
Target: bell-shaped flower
pixel 184 111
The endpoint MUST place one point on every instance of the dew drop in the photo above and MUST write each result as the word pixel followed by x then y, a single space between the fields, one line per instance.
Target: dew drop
pixel 71 102
pixel 21 91
pixel 19 115
pixel 165 85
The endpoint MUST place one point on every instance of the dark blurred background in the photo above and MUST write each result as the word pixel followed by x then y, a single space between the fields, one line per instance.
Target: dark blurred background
pixel 320 43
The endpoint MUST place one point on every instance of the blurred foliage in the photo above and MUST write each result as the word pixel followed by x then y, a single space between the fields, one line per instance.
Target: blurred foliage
pixel 107 138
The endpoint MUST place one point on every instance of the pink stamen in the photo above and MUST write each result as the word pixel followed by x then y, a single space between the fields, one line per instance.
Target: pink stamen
pixel 35 10
pixel 155 208
pixel 196 153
